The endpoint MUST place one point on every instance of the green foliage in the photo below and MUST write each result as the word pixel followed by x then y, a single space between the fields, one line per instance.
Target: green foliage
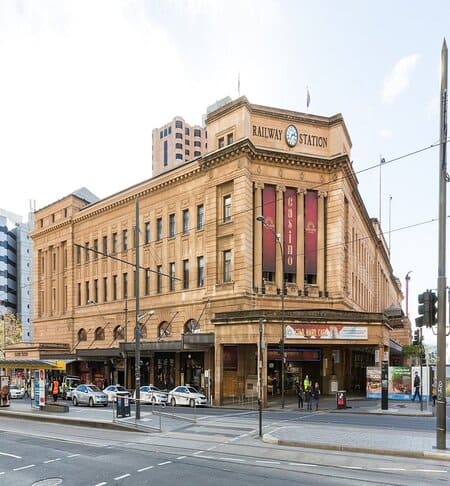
pixel 10 329
pixel 412 350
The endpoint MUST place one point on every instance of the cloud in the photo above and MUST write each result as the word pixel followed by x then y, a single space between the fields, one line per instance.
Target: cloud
pixel 398 79
pixel 385 133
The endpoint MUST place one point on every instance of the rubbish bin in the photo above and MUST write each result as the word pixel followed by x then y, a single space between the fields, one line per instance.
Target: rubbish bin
pixel 122 405
pixel 341 399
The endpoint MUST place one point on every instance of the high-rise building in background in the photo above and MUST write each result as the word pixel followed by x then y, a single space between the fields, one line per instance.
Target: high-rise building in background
pixel 16 258
pixel 175 143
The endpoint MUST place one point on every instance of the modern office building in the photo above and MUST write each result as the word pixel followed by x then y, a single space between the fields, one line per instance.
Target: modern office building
pixel 16 257
pixel 264 238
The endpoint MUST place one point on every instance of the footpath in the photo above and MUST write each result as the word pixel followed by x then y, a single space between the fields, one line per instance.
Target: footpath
pixel 307 434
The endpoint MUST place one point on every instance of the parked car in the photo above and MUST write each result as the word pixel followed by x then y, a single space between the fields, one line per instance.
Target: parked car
pixel 68 385
pixel 89 395
pixel 151 394
pixel 186 395
pixel 16 392
pixel 111 392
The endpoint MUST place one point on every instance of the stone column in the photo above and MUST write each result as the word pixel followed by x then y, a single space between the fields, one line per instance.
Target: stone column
pixel 257 250
pixel 301 239
pixel 321 251
pixel 279 231
pixel 218 374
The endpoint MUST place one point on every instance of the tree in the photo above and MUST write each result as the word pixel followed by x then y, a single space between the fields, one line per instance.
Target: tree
pixel 10 330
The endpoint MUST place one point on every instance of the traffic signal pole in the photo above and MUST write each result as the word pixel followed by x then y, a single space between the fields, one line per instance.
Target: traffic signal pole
pixel 442 282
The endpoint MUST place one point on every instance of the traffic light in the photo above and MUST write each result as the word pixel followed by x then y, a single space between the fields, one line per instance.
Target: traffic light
pixel 417 339
pixel 427 309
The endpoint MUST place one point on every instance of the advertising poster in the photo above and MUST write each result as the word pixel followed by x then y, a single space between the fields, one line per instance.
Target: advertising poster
pixel 425 381
pixel 36 388
pixel 373 382
pixel 41 382
pixel 400 383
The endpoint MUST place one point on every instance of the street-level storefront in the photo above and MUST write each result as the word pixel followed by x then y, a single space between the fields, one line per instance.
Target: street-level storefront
pixel 332 347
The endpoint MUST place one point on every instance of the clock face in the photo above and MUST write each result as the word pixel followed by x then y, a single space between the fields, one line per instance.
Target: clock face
pixel 291 136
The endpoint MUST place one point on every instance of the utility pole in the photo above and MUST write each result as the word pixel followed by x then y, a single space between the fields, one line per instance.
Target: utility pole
pixel 137 330
pixel 442 282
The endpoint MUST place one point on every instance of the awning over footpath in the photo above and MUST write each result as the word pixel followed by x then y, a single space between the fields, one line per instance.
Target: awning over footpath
pixel 34 364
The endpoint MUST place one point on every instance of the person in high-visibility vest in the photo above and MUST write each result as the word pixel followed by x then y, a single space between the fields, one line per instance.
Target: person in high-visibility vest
pixel 306 383
pixel 55 389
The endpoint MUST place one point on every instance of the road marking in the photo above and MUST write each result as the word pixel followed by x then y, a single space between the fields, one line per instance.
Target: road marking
pixel 431 470
pixel 3 472
pixel 145 468
pixel 24 467
pixel 211 448
pixel 73 455
pixel 181 457
pixel 198 452
pixel 164 463
pixel 268 462
pixel 52 460
pixel 10 455
pixel 392 469
pixel 231 459
pixel 121 477
pixel 351 467
pixel 100 484
pixel 302 465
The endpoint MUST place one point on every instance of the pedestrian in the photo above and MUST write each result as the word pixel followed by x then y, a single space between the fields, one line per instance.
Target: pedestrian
pixel 308 399
pixel 306 383
pixel 416 387
pixel 300 394
pixel 433 393
pixel 55 389
pixel 316 394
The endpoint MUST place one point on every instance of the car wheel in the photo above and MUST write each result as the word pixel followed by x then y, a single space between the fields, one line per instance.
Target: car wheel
pixel 91 402
pixel 173 402
pixel 105 404
pixel 153 401
pixel 75 401
pixel 64 396
pixel 192 403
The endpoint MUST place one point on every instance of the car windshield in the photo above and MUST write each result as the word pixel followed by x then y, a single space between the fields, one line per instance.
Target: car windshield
pixel 192 390
pixel 94 388
pixel 121 389
pixel 13 387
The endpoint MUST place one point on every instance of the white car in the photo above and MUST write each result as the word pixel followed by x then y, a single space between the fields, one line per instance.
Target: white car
pixel 151 394
pixel 186 395
pixel 16 392
pixel 111 392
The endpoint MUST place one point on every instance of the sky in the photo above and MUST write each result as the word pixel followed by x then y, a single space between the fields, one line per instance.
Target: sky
pixel 83 83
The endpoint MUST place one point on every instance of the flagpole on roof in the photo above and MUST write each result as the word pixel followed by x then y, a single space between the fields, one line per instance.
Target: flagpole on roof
pixel 308 99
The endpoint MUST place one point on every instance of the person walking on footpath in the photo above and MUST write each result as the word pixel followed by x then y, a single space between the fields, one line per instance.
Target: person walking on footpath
pixel 55 389
pixel 308 399
pixel 306 383
pixel 300 393
pixel 416 387
pixel 316 395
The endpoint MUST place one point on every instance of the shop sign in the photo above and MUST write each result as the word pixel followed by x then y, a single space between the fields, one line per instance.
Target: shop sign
pixel 323 331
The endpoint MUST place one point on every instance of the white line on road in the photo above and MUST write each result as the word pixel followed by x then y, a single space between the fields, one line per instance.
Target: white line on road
pixel 10 455
pixel 211 448
pixel 231 459
pixel 121 477
pixel 430 470
pixel 24 467
pixel 52 460
pixel 145 469
pixel 164 463
pixel 302 465
pixel 100 484
pixel 73 455
pixel 351 467
pixel 198 452
pixel 392 469
pixel 181 457
pixel 268 462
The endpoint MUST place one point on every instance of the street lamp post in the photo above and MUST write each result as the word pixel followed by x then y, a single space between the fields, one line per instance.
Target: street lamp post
pixel 260 371
pixel 261 219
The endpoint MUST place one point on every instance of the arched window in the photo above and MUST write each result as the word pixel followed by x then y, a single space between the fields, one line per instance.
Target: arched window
pixel 191 327
pixel 99 334
pixel 164 329
pixel 118 332
pixel 82 335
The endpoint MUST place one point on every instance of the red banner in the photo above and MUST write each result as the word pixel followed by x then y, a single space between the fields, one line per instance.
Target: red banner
pixel 311 233
pixel 290 230
pixel 268 232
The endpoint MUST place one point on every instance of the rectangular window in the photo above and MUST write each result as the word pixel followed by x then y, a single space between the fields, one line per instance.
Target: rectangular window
pixel 185 221
pixel 200 216
pixel 227 208
pixel 86 293
pixel 197 153
pixel 115 243
pixel 95 290
pixel 171 225
pixel 147 233
pixel 185 274
pixel 134 283
pixel 165 132
pixel 105 289
pixel 200 271
pixel 179 146
pixel 172 275
pixel 78 255
pixel 105 245
pixel 197 143
pixel 95 250
pixel 186 131
pixel 86 252
pixel 179 156
pixel 54 262
pixel 159 279
pixel 125 285
pixel 186 152
pixel 187 142
pixel 159 229
pixel 78 293
pixel 178 124
pixel 114 289
pixel 161 134
pixel 227 266
pixel 221 142
pixel 124 240
pixel 166 153
pixel 147 281
pixel 197 132
pixel 229 138
pixel 178 135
